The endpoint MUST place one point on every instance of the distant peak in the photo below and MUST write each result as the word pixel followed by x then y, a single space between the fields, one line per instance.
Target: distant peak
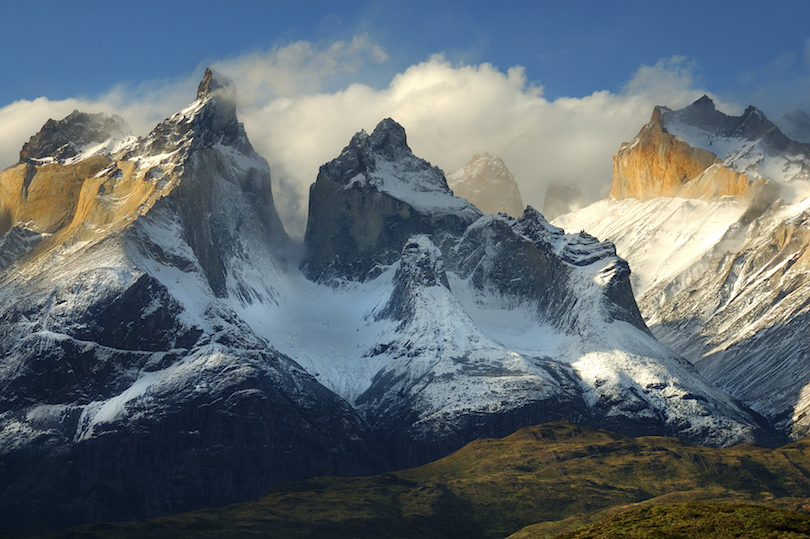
pixel 704 104
pixel 65 138
pixel 485 156
pixel 213 84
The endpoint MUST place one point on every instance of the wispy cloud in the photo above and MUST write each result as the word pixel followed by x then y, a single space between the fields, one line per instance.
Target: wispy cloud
pixel 300 109
pixel 452 111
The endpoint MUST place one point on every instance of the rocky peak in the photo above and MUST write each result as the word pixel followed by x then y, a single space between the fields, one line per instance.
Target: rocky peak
pixel 487 182
pixel 420 265
pixel 367 202
pixel 533 225
pixel 389 140
pixel 66 138
pixel 700 152
pixel 214 83
pixel 366 155
pixel 703 114
pixel 209 120
pixel 702 107
pixel 422 262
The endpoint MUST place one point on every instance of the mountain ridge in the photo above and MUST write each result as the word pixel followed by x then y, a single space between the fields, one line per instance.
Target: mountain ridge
pixel 720 273
pixel 168 313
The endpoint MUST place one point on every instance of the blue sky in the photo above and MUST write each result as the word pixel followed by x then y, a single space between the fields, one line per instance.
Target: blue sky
pixel 552 87
pixel 68 49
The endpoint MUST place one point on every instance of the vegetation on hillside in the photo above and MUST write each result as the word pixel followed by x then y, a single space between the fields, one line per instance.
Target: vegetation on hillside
pixel 548 479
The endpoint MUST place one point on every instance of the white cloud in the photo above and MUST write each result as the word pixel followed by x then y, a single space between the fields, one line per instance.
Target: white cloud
pixel 449 111
pixel 296 69
pixel 142 109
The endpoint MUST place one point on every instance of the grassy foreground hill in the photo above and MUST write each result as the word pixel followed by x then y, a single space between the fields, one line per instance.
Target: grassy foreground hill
pixel 693 520
pixel 539 482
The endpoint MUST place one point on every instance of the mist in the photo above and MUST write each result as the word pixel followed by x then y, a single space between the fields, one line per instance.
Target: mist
pixel 300 106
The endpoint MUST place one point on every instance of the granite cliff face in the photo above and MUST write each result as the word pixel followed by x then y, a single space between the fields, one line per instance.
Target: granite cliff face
pixel 719 253
pixel 487 183
pixel 165 347
pixel 360 215
pixel 657 164
pixel 129 387
pixel 447 361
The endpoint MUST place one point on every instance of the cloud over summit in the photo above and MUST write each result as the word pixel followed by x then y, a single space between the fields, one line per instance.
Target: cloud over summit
pixel 300 108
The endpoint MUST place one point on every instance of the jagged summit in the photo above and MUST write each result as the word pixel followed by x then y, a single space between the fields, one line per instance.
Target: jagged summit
pixel 700 152
pixel 214 83
pixel 703 114
pixel 389 140
pixel 73 135
pixel 157 316
pixel 367 202
pixel 211 119
pixel 122 277
pixel 384 160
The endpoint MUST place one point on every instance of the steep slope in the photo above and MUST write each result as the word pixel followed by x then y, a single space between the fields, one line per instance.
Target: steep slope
pixel 166 347
pixel 128 386
pixel 717 244
pixel 486 182
pixel 467 325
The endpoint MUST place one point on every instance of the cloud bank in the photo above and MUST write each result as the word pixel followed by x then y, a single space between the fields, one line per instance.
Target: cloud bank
pixel 451 112
pixel 300 109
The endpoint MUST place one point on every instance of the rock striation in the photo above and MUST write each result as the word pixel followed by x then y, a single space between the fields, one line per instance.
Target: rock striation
pixel 129 387
pixel 166 347
pixel 719 255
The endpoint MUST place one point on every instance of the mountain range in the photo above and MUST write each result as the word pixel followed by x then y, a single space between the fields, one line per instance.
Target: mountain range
pixel 710 210
pixel 166 346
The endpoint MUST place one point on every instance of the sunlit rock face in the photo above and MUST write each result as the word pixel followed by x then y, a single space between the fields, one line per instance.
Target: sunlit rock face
pixel 165 347
pixel 130 387
pixel 486 182
pixel 711 212
pixel 474 324
pixel 657 164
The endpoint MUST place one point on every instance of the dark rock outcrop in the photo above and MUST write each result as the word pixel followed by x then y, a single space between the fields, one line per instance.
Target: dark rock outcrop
pixel 357 225
pixel 63 139
pixel 127 388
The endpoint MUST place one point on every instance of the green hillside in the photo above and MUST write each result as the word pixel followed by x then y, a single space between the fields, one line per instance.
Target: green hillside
pixel 692 520
pixel 538 482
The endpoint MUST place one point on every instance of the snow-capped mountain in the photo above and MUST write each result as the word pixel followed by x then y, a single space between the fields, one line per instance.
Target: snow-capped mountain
pixel 472 324
pixel 166 346
pixel 710 211
pixel 128 387
pixel 486 182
